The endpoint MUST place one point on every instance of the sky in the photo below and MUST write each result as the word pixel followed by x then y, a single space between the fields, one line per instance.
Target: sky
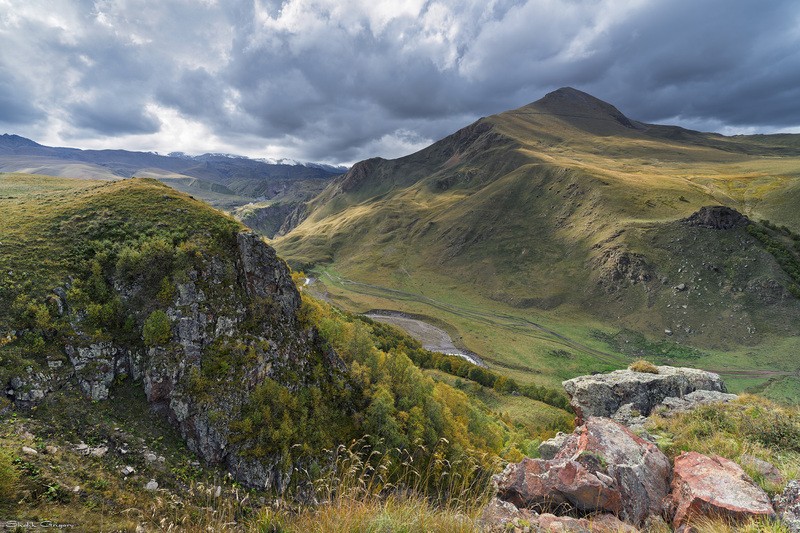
pixel 337 81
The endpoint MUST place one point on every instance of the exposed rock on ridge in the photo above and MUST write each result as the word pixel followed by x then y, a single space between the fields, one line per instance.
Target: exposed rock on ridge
pixel 717 217
pixel 602 467
pixel 603 472
pixel 240 309
pixel 606 394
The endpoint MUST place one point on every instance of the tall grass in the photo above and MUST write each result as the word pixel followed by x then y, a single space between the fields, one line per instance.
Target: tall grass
pixel 751 425
pixel 400 490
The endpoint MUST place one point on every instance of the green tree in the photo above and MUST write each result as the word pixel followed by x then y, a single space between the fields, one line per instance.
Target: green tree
pixel 156 329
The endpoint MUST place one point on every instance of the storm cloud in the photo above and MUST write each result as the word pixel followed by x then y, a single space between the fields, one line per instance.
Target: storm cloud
pixel 341 80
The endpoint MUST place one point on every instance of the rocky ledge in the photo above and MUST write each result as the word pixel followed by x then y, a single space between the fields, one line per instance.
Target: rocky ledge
pixel 627 395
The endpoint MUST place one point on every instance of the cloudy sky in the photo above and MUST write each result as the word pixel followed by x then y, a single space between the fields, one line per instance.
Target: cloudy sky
pixel 341 80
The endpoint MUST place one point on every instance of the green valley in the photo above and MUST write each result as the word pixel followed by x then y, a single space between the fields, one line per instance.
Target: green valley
pixel 562 225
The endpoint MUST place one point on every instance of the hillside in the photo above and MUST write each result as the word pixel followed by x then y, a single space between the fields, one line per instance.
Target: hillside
pixel 148 337
pixel 564 226
pixel 224 181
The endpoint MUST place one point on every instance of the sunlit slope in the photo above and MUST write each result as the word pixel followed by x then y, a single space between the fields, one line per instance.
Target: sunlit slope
pixel 566 205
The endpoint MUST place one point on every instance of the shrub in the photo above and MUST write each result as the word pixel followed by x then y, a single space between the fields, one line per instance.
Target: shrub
pixel 156 329
pixel 643 366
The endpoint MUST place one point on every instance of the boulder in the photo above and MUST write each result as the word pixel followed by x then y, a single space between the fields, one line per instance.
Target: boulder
pixel 671 406
pixel 503 516
pixel 764 468
pixel 602 467
pixel 549 448
pixel 603 523
pixel 787 504
pixel 604 394
pixel 714 486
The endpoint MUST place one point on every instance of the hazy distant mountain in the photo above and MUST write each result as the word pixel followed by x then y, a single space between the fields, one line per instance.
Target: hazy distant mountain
pixel 226 181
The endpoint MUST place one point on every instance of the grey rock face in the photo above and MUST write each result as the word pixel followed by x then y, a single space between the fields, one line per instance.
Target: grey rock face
pixel 717 217
pixel 95 367
pixel 265 275
pixel 692 400
pixel 605 394
pixel 30 387
pixel 787 505
pixel 549 448
pixel 241 308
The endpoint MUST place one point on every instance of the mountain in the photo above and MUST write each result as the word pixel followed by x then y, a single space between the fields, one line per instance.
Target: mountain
pixel 223 180
pixel 565 227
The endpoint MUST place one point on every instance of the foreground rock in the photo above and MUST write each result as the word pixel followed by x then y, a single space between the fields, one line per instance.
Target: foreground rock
pixel 637 392
pixel 501 517
pixel 787 505
pixel 602 467
pixel 714 486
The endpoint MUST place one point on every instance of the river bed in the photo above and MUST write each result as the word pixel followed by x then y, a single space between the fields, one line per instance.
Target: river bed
pixel 432 338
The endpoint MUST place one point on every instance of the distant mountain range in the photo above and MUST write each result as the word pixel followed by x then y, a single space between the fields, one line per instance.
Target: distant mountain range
pixel 226 181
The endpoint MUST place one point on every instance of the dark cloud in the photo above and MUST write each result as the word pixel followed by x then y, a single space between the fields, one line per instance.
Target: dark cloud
pixel 341 80
pixel 15 107
pixel 110 116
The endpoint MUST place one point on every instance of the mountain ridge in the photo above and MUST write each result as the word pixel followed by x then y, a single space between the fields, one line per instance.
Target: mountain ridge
pixel 575 218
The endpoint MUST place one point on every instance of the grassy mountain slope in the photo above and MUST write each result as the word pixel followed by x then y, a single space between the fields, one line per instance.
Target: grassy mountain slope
pixel 157 278
pixel 565 212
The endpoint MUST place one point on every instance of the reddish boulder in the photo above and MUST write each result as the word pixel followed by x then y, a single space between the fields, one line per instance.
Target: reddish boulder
pixel 605 523
pixel 714 486
pixel 602 467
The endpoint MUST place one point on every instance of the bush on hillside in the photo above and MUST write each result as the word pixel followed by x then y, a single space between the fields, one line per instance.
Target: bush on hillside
pixel 156 330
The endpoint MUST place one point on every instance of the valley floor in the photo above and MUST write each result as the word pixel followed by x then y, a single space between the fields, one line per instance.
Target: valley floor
pixel 548 347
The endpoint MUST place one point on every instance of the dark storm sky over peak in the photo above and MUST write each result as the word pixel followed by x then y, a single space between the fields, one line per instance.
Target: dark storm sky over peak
pixel 342 80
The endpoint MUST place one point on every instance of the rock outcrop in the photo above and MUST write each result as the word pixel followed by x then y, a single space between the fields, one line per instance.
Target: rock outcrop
pixel 787 504
pixel 603 472
pixel 605 394
pixel 601 467
pixel 239 309
pixel 717 217
pixel 714 486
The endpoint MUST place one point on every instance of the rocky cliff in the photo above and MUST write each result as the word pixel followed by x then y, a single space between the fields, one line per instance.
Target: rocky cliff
pixel 228 324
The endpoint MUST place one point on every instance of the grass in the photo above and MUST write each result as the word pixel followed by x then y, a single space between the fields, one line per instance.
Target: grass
pixel 51 226
pixel 105 499
pixel 643 366
pixel 751 425
pixel 365 492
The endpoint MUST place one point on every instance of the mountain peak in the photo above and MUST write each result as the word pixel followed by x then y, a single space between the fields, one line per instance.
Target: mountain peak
pixel 570 102
pixel 14 141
